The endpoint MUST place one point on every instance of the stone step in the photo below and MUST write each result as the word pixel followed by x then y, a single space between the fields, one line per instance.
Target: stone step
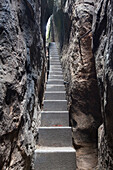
pixel 55 73
pixel 54 48
pixel 58 65
pixel 55 81
pixel 57 60
pixel 54 55
pixel 54 59
pixel 55 63
pixel 55 68
pixel 55 105
pixel 54 118
pixel 54 87
pixel 54 51
pixel 55 95
pixel 56 77
pixel 52 158
pixel 55 136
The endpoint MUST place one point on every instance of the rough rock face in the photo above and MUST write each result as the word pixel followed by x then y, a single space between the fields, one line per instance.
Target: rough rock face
pixel 22 69
pixel 62 23
pixel 22 77
pixel 103 52
pixel 80 75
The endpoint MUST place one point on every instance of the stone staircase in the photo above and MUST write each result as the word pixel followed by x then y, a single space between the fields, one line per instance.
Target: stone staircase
pixel 54 150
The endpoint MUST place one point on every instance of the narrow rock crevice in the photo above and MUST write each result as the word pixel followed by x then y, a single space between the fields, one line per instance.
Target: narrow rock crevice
pixel 82 31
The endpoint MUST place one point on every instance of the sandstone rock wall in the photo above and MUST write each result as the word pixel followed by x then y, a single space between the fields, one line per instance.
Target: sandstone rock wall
pixel 103 52
pixel 88 77
pixel 87 61
pixel 80 76
pixel 22 76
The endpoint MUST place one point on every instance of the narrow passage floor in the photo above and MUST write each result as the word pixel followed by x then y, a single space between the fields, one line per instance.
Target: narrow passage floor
pixel 54 150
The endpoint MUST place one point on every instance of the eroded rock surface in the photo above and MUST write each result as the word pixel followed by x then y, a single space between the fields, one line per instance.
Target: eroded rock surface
pixel 80 76
pixel 22 77
pixel 103 52
pixel 22 69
